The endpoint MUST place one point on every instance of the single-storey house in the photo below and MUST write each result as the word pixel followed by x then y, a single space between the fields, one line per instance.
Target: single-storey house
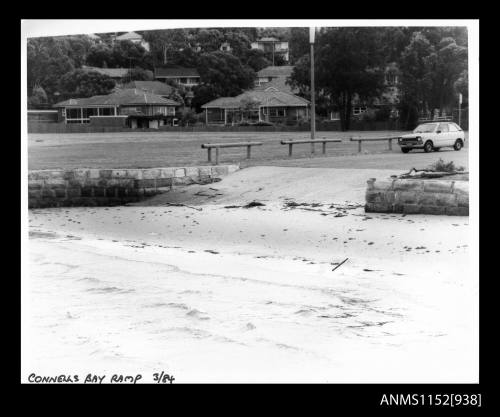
pixel 187 77
pixel 129 107
pixel 271 106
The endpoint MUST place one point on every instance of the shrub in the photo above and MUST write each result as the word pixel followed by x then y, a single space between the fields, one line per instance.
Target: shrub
pixel 441 166
pixel 368 116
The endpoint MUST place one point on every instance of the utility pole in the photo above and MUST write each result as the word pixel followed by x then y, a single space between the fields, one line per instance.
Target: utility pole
pixel 313 106
pixel 460 109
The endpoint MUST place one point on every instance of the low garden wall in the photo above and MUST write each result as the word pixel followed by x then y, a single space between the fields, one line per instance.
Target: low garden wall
pixel 104 187
pixel 418 196
pixel 39 127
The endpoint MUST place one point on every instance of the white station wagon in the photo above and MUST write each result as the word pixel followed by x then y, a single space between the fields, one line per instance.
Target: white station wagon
pixel 432 137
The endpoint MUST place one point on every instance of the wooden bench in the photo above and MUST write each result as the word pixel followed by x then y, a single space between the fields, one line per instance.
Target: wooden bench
pixel 359 140
pixel 290 143
pixel 217 146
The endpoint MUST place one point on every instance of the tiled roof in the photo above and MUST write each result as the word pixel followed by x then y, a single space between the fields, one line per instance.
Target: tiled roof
pixel 128 35
pixel 154 87
pixel 274 71
pixel 120 98
pixel 176 72
pixel 111 72
pixel 266 98
pixel 278 84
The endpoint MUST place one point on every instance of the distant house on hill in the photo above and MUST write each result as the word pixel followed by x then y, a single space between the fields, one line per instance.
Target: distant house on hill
pixel 134 38
pixel 225 47
pixel 270 106
pixel 94 38
pixel 186 77
pixel 273 46
pixel 274 77
pixel 129 107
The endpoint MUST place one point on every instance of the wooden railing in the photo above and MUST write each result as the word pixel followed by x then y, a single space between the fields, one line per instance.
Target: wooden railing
pixel 217 146
pixel 290 143
pixel 388 139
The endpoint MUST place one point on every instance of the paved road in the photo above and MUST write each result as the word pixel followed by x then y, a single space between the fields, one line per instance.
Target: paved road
pixel 146 150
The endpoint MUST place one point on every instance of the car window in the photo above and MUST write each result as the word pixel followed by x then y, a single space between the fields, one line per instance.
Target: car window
pixel 452 127
pixel 443 127
pixel 425 128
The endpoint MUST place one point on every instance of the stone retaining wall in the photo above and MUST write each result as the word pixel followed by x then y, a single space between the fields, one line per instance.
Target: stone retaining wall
pixel 414 196
pixel 96 187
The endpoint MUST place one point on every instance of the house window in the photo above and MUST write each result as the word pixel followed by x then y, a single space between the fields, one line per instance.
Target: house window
pixel 75 115
pixel 106 111
pixel 165 110
pixel 358 110
pixel 274 111
pixel 82 114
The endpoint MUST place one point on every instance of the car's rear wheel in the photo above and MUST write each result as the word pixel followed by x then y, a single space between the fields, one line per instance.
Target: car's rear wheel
pixel 458 145
pixel 428 147
pixel 405 150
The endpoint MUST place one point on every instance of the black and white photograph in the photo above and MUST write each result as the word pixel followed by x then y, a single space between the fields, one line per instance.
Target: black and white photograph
pixel 250 201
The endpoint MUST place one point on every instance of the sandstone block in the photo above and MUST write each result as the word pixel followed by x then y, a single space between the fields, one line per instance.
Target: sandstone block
pixel 411 208
pixel 408 185
pixel 407 197
pixel 431 186
pixel 433 210
pixel 457 211
pixel 179 172
pixel 219 171
pixel 134 173
pixel 167 172
pixel 152 173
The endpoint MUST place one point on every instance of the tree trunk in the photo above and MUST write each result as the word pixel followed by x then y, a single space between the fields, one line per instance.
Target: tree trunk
pixel 348 110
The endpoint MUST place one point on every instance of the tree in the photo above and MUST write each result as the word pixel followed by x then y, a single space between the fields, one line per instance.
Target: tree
pixel 348 64
pixel 163 43
pixel 47 62
pixel 299 43
pixel 221 75
pixel 256 59
pixel 433 66
pixel 38 98
pixel 209 39
pixel 100 55
pixel 447 65
pixel 121 54
pixel 80 84
pixel 415 79
pixel 139 74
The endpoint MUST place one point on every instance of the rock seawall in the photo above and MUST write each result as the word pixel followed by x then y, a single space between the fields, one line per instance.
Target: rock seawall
pixel 417 196
pixel 102 187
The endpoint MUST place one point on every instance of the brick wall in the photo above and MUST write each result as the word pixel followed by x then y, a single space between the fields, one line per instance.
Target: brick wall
pixel 450 197
pixel 96 187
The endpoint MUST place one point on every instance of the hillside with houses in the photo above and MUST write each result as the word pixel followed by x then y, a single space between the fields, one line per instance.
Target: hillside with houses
pixel 246 76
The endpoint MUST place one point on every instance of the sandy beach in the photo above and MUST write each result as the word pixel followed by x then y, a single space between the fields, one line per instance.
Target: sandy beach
pixel 303 288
